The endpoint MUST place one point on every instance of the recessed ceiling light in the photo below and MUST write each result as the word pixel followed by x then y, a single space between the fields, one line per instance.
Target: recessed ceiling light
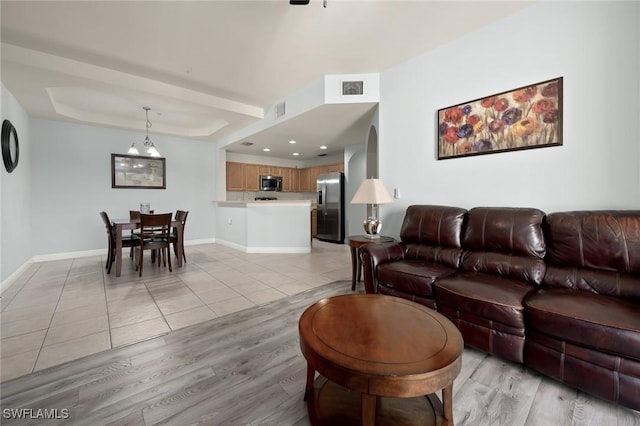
pixel 266 150
pixel 292 141
pixel 295 153
pixel 323 147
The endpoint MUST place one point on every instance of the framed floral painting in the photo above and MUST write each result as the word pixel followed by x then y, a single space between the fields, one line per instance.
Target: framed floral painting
pixel 523 118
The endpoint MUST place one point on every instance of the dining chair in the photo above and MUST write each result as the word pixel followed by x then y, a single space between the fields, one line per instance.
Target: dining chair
pixel 135 214
pixel 181 216
pixel 127 241
pixel 154 235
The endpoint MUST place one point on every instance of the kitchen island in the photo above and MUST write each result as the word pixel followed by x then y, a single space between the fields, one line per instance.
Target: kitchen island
pixel 275 226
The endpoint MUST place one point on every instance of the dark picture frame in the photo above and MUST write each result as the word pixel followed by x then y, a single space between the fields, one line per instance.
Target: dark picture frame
pixel 523 118
pixel 137 171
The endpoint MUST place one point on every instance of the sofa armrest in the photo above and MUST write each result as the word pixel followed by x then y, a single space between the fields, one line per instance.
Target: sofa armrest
pixel 373 255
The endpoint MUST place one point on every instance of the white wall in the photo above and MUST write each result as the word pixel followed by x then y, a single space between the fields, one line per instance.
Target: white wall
pixel 593 45
pixel 15 201
pixel 71 184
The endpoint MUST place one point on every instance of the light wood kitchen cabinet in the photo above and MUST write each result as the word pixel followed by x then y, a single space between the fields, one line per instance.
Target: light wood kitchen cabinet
pixel 251 177
pixel 246 177
pixel 338 167
pixel 304 181
pixel 235 176
pixel 270 170
pixel 290 179
pixel 313 176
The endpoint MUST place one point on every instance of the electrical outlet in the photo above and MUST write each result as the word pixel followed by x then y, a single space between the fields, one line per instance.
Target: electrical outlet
pixel 396 193
pixel 229 221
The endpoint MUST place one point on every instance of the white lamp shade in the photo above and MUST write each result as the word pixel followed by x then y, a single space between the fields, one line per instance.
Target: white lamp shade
pixel 133 150
pixel 371 191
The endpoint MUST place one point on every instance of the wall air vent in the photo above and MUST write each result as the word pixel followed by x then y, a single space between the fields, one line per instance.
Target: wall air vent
pixel 350 88
pixel 247 144
pixel 280 109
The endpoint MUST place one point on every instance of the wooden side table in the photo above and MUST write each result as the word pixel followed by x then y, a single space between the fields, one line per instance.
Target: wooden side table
pixel 355 241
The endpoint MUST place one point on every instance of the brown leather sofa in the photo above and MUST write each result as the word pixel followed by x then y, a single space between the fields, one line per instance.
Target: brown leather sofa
pixel 559 293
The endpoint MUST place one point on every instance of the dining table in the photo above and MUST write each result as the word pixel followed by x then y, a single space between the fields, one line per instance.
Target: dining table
pixel 124 224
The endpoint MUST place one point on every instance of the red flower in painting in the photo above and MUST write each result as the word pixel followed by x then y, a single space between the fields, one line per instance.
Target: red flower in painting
pixel 501 104
pixel 473 119
pixel 488 102
pixel 453 115
pixel 451 135
pixel 542 106
pixel 523 95
pixel 550 117
pixel 550 90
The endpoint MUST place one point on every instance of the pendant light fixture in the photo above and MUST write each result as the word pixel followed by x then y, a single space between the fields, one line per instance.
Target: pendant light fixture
pixel 149 148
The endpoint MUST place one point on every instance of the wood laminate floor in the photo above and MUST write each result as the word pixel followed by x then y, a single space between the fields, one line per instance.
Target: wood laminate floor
pixel 246 368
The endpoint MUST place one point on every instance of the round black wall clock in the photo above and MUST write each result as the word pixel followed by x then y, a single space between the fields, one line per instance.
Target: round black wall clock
pixel 10 147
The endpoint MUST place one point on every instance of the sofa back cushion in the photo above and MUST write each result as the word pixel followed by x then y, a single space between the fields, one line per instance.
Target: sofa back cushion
pixel 506 242
pixel 433 233
pixel 596 251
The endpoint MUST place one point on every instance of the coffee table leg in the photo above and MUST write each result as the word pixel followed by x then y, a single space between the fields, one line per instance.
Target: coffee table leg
pixel 447 397
pixel 368 409
pixel 311 374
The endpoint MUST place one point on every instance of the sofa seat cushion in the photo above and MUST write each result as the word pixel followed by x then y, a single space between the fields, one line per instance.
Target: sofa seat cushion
pixel 412 276
pixel 604 323
pixel 494 299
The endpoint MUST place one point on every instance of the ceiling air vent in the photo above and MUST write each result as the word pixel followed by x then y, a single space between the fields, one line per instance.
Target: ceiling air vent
pixel 350 88
pixel 246 143
pixel 322 155
pixel 280 109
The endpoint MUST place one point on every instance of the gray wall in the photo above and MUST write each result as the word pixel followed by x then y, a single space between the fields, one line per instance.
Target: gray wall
pixel 593 45
pixel 71 184
pixel 15 198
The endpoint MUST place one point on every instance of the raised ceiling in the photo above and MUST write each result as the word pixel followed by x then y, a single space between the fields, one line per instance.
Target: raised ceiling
pixel 210 68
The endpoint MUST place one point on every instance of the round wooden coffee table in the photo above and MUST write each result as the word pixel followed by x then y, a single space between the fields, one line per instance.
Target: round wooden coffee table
pixel 383 357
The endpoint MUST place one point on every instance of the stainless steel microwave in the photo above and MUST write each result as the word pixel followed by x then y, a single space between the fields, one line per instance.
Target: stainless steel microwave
pixel 270 183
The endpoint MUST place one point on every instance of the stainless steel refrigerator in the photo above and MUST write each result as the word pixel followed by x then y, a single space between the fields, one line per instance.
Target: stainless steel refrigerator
pixel 331 207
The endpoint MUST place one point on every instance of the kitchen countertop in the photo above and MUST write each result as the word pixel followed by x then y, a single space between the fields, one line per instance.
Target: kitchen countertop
pixel 266 203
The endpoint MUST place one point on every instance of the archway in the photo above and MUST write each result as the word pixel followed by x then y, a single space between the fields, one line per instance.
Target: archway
pixel 372 153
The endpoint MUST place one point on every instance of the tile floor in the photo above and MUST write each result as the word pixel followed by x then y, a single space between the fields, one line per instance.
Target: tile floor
pixel 63 310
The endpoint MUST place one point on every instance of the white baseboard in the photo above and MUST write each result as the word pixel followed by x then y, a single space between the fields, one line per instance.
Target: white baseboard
pixel 201 241
pixel 69 255
pixel 269 250
pixel 4 285
pixel 232 245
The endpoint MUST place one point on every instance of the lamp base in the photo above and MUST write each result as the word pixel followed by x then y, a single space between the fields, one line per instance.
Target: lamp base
pixel 372 227
pixel 372 236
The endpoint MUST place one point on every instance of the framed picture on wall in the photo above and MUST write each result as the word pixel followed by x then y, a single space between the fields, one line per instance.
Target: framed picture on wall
pixel 136 171
pixel 522 118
